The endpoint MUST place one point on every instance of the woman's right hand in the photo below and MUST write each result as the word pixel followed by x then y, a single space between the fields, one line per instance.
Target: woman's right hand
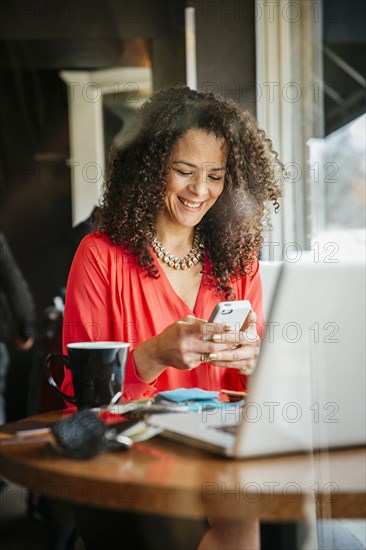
pixel 180 345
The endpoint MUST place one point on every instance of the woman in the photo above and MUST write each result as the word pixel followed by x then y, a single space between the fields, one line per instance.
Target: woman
pixel 179 229
pixel 193 179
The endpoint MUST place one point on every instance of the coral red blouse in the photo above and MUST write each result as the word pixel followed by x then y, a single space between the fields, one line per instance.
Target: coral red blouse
pixel 111 298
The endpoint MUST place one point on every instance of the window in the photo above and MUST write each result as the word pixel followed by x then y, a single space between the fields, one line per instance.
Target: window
pixel 336 168
pixel 311 73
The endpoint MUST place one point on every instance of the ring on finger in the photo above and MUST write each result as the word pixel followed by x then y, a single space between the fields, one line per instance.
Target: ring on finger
pixel 204 357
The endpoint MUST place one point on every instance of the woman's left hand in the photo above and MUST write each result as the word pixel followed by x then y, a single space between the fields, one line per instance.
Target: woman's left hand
pixel 244 353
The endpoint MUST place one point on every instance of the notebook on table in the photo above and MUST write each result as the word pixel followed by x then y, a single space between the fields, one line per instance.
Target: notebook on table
pixel 308 390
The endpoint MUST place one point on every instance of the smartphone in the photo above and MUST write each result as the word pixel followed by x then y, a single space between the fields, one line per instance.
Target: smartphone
pixel 231 314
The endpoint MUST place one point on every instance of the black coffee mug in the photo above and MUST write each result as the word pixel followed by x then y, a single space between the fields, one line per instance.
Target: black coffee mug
pixel 97 369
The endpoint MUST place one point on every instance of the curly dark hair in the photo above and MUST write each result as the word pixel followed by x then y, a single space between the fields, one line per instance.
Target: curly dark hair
pixel 134 190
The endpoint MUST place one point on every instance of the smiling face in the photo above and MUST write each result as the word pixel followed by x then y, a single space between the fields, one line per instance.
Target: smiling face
pixel 195 178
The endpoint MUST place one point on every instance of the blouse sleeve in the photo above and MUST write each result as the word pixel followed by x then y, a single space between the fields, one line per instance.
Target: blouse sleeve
pixel 89 312
pixel 253 293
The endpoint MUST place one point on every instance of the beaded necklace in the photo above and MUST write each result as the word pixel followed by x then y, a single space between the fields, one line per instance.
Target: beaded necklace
pixel 190 260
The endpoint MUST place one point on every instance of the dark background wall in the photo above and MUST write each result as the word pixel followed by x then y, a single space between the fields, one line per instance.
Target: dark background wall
pixel 40 38
pixel 226 49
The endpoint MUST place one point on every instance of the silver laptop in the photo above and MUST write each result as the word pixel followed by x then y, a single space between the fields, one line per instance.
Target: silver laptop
pixel 308 390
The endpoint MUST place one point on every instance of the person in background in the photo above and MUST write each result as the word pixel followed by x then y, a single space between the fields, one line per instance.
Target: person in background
pixel 17 313
pixel 178 230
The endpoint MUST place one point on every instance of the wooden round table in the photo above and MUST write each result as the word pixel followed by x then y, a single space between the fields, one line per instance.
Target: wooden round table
pixel 169 478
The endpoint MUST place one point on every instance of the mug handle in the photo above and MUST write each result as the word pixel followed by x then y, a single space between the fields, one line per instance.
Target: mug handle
pixel 50 378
